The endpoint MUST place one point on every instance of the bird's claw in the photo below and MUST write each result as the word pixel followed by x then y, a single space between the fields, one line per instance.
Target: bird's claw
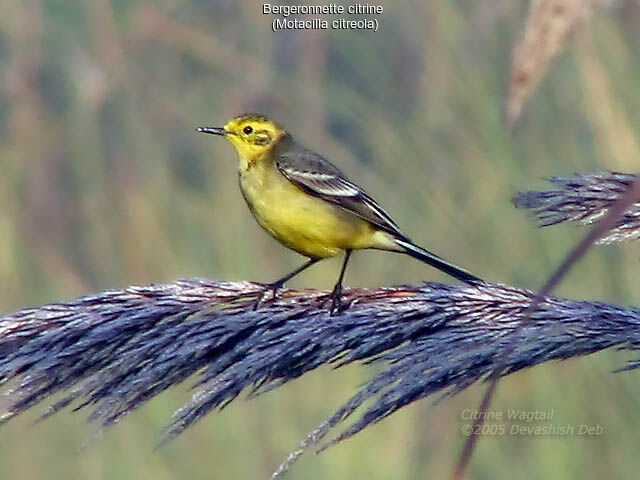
pixel 336 300
pixel 269 292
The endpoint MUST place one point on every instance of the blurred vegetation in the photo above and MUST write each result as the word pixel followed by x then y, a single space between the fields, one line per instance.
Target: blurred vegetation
pixel 106 184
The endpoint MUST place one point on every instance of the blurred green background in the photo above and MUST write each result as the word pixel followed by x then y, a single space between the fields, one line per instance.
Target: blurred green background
pixel 105 184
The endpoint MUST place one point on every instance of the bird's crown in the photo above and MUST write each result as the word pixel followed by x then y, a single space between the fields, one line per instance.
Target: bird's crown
pixel 254 128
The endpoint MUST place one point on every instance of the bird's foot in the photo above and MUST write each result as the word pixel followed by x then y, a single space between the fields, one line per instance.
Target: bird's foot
pixel 336 300
pixel 269 292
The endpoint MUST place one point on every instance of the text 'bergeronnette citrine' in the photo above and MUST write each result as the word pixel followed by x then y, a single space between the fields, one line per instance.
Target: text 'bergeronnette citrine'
pixel 307 204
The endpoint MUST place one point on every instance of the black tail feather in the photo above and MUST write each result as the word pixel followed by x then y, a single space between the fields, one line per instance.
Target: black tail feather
pixel 435 261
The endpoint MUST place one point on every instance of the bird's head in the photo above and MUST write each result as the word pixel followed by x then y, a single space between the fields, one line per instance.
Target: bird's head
pixel 251 134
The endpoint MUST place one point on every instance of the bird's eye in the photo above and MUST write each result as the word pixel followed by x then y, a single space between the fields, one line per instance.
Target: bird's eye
pixel 247 130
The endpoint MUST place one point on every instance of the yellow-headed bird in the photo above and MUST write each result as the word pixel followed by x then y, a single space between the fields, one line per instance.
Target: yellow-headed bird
pixel 307 204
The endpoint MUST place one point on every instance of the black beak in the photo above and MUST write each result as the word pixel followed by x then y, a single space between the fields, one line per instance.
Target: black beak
pixel 212 130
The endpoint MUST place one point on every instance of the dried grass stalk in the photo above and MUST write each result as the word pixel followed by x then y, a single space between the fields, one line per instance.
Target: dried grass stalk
pixel 549 24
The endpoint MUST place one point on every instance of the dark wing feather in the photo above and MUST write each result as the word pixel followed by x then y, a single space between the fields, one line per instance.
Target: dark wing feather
pixel 320 178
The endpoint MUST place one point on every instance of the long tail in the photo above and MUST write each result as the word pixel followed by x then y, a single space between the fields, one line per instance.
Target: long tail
pixel 432 259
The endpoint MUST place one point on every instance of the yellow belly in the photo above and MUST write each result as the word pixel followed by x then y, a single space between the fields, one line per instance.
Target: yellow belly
pixel 311 226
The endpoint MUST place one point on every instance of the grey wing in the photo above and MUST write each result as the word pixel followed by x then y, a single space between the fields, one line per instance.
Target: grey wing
pixel 320 178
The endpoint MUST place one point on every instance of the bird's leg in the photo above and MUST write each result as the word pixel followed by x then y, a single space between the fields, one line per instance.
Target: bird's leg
pixel 273 287
pixel 336 294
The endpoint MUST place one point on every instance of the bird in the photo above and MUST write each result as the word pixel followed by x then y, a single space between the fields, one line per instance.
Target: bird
pixel 308 205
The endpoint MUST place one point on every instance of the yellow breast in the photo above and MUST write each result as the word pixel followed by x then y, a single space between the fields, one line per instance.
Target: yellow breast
pixel 309 225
